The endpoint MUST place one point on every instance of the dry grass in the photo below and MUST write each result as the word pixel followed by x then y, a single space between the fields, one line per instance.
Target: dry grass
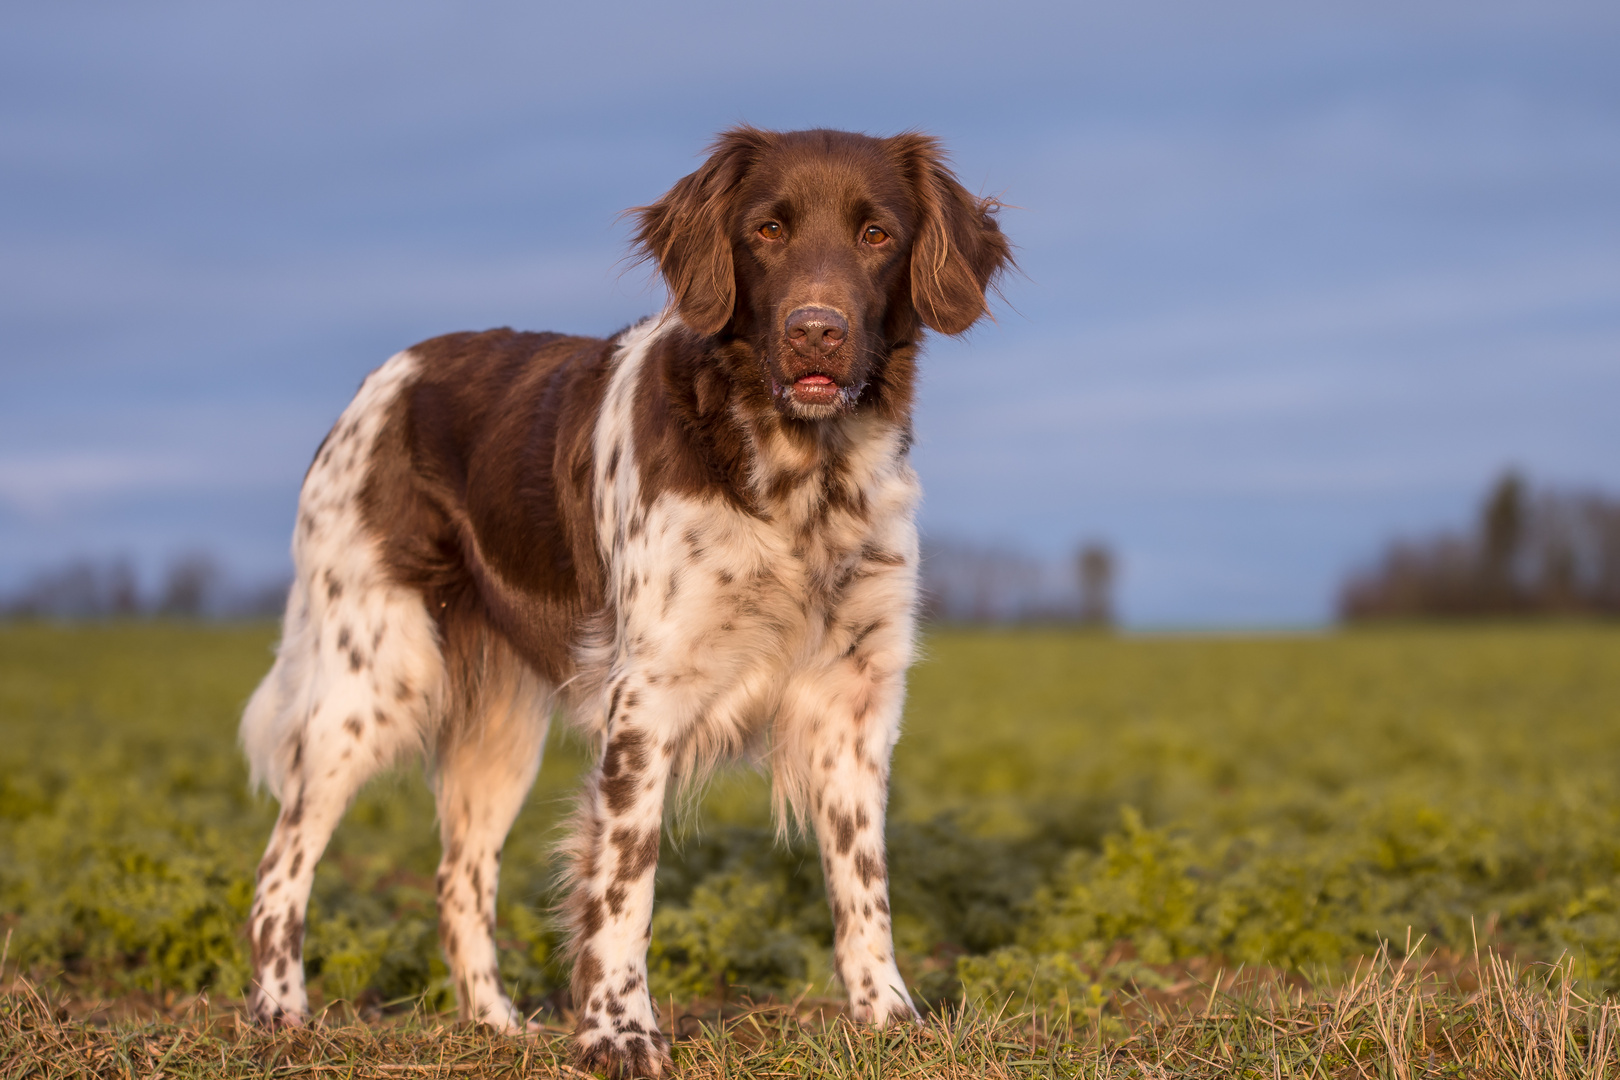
pixel 1387 1019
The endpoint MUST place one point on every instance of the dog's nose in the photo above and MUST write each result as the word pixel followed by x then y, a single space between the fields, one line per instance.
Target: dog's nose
pixel 816 331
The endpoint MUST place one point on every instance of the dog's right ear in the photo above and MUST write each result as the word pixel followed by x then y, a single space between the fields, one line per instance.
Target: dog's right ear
pixel 687 233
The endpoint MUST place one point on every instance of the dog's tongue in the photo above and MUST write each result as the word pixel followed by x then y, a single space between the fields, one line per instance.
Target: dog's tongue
pixel 815 380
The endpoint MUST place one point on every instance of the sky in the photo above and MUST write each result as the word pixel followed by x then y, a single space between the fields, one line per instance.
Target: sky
pixel 1296 278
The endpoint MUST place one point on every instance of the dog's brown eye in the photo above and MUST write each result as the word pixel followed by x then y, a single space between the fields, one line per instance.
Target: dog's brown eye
pixel 875 236
pixel 771 231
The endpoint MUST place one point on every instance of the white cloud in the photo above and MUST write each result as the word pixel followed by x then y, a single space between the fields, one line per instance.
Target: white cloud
pixel 40 486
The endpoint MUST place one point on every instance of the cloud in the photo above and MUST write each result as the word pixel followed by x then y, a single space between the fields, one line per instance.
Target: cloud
pixel 41 486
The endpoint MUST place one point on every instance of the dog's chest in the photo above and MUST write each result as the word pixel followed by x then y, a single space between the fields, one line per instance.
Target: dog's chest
pixel 719 590
pixel 701 576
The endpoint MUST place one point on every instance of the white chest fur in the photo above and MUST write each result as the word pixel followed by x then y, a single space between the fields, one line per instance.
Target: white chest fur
pixel 723 609
pixel 785 627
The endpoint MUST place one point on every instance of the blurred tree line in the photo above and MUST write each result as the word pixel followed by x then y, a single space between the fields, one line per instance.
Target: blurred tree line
pixel 967 583
pixel 961 583
pixel 194 585
pixel 1544 552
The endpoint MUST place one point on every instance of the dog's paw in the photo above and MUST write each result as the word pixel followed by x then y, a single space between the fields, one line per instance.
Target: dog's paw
pixel 267 1012
pixel 499 1014
pixel 886 1014
pixel 622 1055
pixel 882 1003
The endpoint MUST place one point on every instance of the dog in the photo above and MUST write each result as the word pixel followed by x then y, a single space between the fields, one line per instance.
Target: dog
pixel 695 539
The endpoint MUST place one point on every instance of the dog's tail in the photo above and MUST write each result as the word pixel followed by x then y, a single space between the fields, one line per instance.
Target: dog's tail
pixel 278 706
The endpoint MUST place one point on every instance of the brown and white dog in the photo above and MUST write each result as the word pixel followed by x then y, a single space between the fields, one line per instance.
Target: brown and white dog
pixel 695 537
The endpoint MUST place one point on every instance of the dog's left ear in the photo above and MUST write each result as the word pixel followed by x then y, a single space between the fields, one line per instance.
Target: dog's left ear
pixel 687 232
pixel 959 250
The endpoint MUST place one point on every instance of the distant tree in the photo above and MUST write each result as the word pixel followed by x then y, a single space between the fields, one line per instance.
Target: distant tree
pixel 194 585
pixel 1094 567
pixel 266 601
pixel 1532 553
pixel 79 589
pixel 1502 528
pixel 122 590
pixel 969 583
pixel 1574 553
pixel 191 586
pixel 963 582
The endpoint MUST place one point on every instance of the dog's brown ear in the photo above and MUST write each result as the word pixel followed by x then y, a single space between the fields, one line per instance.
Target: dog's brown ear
pixel 687 232
pixel 959 250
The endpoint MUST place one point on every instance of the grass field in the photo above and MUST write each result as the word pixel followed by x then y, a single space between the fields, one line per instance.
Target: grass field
pixel 1082 826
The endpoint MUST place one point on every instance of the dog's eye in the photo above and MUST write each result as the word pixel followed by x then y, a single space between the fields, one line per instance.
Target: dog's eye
pixel 875 236
pixel 771 231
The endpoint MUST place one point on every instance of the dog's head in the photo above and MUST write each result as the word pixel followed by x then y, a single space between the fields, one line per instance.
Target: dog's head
pixel 823 251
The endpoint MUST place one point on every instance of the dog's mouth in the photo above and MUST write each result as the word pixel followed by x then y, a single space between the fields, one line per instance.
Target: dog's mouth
pixel 815 395
pixel 815 389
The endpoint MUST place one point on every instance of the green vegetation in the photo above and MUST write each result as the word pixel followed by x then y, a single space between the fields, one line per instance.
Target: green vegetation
pixel 1072 814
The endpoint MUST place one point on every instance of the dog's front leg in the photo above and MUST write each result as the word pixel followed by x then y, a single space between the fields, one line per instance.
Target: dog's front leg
pixel 615 854
pixel 852 714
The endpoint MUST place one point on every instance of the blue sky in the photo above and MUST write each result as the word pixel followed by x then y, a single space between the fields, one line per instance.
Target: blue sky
pixel 1296 277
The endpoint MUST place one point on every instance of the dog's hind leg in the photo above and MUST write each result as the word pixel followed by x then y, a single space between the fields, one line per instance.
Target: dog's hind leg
pixel 486 764
pixel 354 688
pixel 357 684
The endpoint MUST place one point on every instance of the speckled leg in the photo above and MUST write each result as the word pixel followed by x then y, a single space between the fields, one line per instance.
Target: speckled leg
pixel 614 856
pixel 329 766
pixel 856 720
pixel 483 778
pixel 355 687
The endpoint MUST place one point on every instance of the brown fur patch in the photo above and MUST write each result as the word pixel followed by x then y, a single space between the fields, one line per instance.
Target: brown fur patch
pixel 587 974
pixel 638 853
pixel 590 916
pixel 492 414
pixel 869 867
pixel 622 766
pixel 263 945
pixel 845 827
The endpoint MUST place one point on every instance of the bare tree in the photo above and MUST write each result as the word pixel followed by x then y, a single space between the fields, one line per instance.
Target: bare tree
pixel 123 592
pixel 1550 552
pixel 191 586
pixel 1095 568
pixel 965 582
pixel 970 583
pixel 82 588
pixel 195 585
pixel 1502 528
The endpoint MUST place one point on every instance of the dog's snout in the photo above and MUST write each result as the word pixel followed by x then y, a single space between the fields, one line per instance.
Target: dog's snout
pixel 816 331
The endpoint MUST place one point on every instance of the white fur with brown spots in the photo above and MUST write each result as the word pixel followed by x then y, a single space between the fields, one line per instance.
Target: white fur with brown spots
pixel 789 634
pixel 359 684
pixel 696 539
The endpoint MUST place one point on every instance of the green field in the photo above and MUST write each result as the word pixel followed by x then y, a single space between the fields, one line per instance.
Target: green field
pixel 1071 813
